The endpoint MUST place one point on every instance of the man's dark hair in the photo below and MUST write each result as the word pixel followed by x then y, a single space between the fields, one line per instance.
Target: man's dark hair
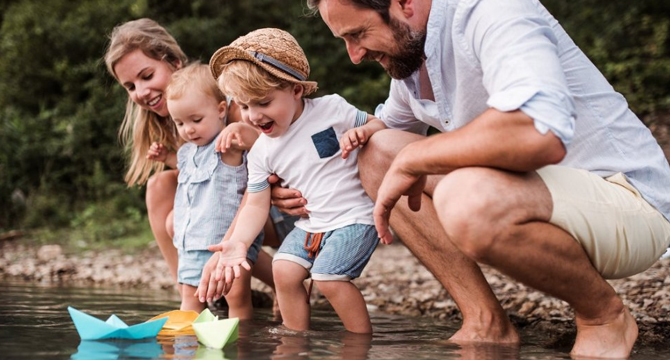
pixel 380 6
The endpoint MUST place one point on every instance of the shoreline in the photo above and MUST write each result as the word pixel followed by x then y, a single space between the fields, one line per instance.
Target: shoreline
pixel 394 282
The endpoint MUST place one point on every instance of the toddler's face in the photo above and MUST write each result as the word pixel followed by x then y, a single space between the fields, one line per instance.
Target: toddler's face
pixel 274 113
pixel 145 80
pixel 198 117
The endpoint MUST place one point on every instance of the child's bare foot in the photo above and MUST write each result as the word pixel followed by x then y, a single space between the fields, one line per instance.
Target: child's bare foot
pixel 610 339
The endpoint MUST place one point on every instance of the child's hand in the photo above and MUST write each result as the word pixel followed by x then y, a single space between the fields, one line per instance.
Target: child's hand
pixel 238 136
pixel 157 152
pixel 233 254
pixel 353 138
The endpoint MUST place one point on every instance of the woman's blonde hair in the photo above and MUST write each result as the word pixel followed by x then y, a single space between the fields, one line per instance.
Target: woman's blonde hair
pixel 141 127
pixel 246 81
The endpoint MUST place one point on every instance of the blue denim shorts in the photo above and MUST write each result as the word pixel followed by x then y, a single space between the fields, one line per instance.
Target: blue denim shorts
pixel 343 254
pixel 191 262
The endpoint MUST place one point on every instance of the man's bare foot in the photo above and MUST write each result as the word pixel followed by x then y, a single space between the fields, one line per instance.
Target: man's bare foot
pixel 612 339
pixel 481 333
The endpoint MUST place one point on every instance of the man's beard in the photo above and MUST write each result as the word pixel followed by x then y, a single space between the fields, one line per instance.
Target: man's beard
pixel 410 53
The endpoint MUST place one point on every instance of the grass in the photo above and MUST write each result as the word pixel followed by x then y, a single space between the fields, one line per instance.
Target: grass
pixel 128 237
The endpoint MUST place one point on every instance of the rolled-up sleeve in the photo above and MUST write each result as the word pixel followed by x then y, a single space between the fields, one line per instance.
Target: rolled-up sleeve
pixel 258 173
pixel 517 50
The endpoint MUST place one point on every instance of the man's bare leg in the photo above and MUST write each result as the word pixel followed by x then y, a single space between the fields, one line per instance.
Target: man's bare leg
pixel 484 320
pixel 501 219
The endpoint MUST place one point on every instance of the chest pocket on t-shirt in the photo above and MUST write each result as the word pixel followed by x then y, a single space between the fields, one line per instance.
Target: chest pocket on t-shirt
pixel 326 143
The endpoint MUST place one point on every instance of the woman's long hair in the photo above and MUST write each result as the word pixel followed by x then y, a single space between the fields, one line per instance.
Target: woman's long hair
pixel 141 127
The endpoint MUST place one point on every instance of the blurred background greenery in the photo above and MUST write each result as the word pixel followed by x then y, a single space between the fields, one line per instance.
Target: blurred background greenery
pixel 61 165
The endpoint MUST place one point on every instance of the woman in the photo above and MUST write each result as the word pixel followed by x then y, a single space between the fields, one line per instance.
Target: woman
pixel 142 56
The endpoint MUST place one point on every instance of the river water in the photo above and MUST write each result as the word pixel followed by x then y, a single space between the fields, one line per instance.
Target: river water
pixel 35 324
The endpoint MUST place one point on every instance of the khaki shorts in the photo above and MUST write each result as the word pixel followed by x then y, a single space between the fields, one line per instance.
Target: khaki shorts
pixel 621 232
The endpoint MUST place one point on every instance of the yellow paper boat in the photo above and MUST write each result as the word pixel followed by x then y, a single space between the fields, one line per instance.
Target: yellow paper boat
pixel 179 322
pixel 215 333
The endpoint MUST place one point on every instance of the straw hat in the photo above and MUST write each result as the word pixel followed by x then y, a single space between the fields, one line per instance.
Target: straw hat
pixel 274 50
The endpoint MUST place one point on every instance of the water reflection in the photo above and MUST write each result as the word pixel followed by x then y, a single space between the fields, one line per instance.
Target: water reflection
pixel 115 349
pixel 35 324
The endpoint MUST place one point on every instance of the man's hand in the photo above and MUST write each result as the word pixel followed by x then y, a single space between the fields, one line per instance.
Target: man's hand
pixel 289 201
pixel 397 182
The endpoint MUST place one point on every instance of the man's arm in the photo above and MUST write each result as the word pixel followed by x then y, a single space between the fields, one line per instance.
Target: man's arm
pixel 503 140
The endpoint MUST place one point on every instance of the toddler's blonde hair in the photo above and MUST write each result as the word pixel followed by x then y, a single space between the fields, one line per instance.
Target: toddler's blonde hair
pixel 194 76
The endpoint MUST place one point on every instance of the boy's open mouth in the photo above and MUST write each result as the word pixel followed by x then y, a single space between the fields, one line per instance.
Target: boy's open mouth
pixel 266 127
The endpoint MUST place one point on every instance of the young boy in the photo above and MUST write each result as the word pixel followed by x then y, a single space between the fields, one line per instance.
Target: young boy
pixel 210 184
pixel 266 72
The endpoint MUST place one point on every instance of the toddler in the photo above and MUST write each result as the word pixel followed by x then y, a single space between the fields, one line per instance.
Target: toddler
pixel 266 72
pixel 210 184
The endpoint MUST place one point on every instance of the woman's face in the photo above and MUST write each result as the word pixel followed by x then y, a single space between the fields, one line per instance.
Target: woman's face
pixel 145 80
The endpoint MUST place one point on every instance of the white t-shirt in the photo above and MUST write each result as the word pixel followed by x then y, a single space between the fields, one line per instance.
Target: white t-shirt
pixel 308 158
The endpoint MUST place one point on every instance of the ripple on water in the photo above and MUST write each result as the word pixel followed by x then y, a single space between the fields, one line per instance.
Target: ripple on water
pixel 35 324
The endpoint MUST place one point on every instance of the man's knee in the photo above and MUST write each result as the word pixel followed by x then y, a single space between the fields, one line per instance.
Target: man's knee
pixel 465 208
pixel 377 155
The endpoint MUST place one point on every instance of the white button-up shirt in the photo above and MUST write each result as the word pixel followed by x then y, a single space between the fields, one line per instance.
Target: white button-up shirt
pixel 511 55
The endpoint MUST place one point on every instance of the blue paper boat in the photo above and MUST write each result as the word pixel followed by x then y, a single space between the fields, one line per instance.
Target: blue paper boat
pixel 92 328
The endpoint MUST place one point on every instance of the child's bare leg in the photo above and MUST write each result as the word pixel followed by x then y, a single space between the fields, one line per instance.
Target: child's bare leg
pixel 188 301
pixel 239 297
pixel 348 303
pixel 291 294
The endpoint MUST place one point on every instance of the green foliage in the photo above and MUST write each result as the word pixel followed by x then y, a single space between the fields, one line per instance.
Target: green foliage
pixel 628 41
pixel 60 161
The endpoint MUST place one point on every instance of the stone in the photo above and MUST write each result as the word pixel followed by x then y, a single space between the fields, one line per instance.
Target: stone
pixel 49 252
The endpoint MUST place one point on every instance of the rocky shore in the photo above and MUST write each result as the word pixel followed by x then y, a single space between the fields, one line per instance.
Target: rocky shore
pixel 393 282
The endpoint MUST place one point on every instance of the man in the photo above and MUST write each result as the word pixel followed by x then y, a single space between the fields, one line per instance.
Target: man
pixel 512 95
